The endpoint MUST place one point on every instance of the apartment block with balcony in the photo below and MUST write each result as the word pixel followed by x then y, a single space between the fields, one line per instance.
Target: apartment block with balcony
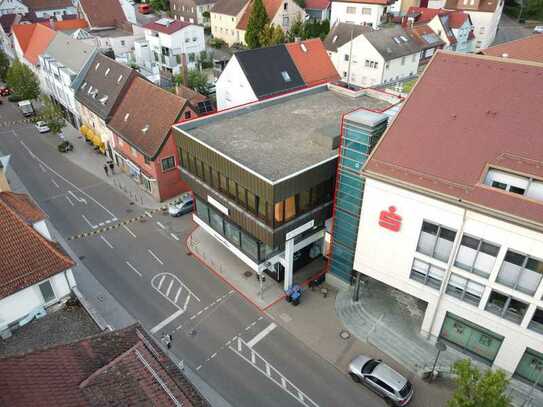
pixel 170 41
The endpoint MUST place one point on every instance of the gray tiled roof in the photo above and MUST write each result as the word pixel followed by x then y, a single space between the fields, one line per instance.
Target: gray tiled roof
pixel 229 7
pixel 341 34
pixel 109 88
pixel 394 42
pixel 70 52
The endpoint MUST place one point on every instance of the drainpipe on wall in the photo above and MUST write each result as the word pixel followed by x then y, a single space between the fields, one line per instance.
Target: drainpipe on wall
pixel 448 272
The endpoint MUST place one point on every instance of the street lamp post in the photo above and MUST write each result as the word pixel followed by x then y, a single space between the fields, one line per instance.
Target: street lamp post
pixel 440 346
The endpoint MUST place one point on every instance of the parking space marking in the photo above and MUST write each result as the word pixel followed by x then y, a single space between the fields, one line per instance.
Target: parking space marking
pixel 133 268
pixel 161 225
pixel 247 353
pixel 155 256
pixel 177 295
pixel 107 242
pixel 129 231
pixel 69 200
pixel 174 236
pixel 88 221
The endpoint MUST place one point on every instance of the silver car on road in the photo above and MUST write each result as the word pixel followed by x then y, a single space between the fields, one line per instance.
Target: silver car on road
pixel 382 379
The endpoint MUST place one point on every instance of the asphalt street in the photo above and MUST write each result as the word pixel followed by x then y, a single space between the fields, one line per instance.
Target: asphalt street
pixel 237 350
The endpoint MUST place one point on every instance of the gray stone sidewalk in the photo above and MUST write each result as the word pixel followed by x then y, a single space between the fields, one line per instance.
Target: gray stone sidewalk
pixel 85 157
pixel 389 320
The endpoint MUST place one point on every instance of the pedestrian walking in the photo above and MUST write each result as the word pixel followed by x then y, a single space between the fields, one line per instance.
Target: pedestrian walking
pixel 111 166
pixel 167 340
pixel 106 170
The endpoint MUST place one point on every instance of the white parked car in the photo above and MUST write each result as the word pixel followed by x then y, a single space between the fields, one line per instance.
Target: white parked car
pixel 538 29
pixel 42 127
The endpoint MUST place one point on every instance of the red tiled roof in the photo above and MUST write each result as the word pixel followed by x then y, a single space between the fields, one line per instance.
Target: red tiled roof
pixel 23 33
pixel 158 115
pixel 271 6
pixel 312 61
pixel 23 205
pixel 67 25
pixel 527 49
pixel 103 13
pixel 111 368
pixel 445 149
pixel 47 4
pixel 26 257
pixel 174 26
pixel 382 2
pixel 41 37
pixel 317 4
pixel 457 18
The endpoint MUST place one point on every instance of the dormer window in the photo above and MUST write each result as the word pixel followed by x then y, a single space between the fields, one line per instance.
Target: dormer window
pixel 515 183
pixel 286 76
pixel 103 99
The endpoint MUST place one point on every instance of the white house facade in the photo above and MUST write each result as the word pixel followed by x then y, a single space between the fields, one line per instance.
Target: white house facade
pixel 12 7
pixel 233 87
pixel 464 265
pixel 369 14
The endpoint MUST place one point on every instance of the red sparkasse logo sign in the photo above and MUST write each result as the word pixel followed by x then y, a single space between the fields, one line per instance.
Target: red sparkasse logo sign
pixel 390 219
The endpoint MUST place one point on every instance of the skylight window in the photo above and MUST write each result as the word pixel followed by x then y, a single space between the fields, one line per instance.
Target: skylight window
pixel 286 76
pixel 103 99
pixel 107 71
pixel 126 116
pixel 120 79
pixel 145 128
pixel 334 39
pixel 397 40
pixel 403 38
pixel 303 47
pixel 84 85
pixel 97 66
pixel 89 91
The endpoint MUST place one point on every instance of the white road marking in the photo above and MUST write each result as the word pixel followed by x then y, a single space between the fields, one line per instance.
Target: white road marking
pixel 257 361
pixel 90 224
pixel 187 302
pixel 174 236
pixel 155 256
pixel 54 183
pixel 161 225
pixel 165 322
pixel 133 268
pixel 129 231
pixel 41 167
pixel 148 214
pixel 258 337
pixel 169 289
pixel 71 203
pixel 160 282
pixel 176 279
pixel 107 242
pixel 65 180
pixel 78 199
pixel 177 295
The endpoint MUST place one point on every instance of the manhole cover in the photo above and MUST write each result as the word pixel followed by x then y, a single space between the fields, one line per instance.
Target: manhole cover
pixel 81 257
pixel 344 334
pixel 131 203
pixel 247 274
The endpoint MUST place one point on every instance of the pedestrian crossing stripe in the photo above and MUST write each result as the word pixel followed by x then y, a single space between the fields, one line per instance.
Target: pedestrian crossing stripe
pixel 116 225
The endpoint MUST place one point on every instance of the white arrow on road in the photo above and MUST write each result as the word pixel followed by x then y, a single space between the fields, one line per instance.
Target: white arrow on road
pixel 78 199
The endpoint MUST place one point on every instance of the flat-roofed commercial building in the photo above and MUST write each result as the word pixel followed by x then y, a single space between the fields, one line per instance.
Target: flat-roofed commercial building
pixel 263 175
pixel 453 208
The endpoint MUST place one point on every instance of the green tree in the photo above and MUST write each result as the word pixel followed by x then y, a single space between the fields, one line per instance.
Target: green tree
pixel 23 81
pixel 159 5
pixel 271 35
pixel 4 65
pixel 257 20
pixel 196 80
pixel 52 116
pixel 296 31
pixel 308 29
pixel 301 3
pixel 477 389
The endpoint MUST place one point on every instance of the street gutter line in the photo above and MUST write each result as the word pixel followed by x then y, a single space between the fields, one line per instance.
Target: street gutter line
pixel 133 268
pixel 155 256
pixel 174 236
pixel 129 231
pixel 107 242
pixel 65 180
